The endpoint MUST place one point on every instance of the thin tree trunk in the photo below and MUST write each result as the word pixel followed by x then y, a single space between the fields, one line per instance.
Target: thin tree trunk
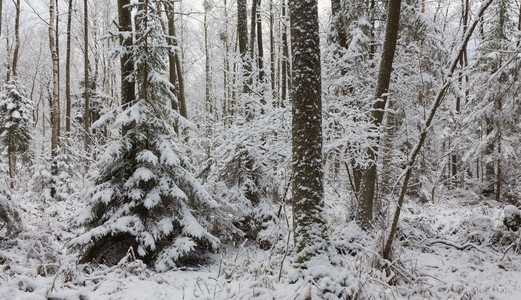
pixel 253 31
pixel 57 41
pixel 55 105
pixel 260 52
pixel 171 56
pixel 86 117
pixel 176 71
pixel 126 61
pixel 272 52
pixel 423 135
pixel 180 79
pixel 68 72
pixel 518 43
pixel 1 10
pixel 226 69
pixel 364 213
pixel 16 40
pixel 10 162
pixel 242 31
pixel 285 55
pixel 208 100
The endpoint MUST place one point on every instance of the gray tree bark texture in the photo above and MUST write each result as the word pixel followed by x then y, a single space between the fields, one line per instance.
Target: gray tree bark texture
pixel 126 62
pixel 285 55
pixel 68 72
pixel 260 48
pixel 338 24
pixel 55 101
pixel 307 186
pixel 1 10
pixel 364 214
pixel 242 28
pixel 175 67
pixel 86 116
pixel 16 39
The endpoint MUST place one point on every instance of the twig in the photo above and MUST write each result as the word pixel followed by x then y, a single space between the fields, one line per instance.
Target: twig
pixel 284 258
pixel 505 252
pixel 458 247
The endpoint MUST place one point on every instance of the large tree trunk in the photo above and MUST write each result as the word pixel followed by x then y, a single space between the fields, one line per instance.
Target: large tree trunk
pixel 68 72
pixel 55 105
pixel 126 61
pixel 364 213
pixel 242 29
pixel 16 39
pixel 307 186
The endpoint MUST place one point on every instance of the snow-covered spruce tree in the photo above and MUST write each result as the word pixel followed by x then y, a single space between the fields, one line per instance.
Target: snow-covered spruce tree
pixel 9 217
pixel 144 195
pixel 15 123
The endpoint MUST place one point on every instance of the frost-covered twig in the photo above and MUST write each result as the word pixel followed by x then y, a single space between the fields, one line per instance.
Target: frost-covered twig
pixel 459 247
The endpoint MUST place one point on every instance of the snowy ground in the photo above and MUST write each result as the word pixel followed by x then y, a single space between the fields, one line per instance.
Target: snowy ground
pixel 456 249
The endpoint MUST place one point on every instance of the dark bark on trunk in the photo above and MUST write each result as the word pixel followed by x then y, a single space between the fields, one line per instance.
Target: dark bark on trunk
pixel 179 73
pixel 307 187
pixel 1 10
pixel 364 213
pixel 260 48
pixel 172 70
pixel 455 158
pixel 414 154
pixel 57 41
pixel 253 31
pixel 242 30
pixel 285 55
pixel 68 72
pixel 86 116
pixel 208 98
pixel 180 79
pixel 16 39
pixel 339 26
pixel 10 162
pixel 126 61
pixel 242 27
pixel 272 53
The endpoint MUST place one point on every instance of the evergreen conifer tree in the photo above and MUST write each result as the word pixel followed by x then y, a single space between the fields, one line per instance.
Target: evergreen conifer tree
pixel 9 217
pixel 15 122
pixel 144 194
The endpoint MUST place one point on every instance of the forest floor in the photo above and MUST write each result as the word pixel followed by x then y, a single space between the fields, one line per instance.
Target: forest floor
pixel 456 248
